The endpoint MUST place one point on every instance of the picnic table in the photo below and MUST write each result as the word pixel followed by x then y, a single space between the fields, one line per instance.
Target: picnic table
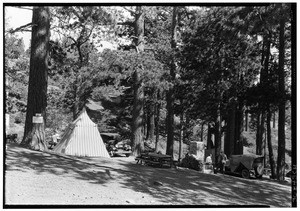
pixel 155 159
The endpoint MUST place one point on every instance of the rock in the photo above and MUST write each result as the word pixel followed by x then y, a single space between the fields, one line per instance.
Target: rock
pixel 130 201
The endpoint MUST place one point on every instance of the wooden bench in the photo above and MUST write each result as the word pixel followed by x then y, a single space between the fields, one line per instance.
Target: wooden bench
pixel 155 159
pixel 140 160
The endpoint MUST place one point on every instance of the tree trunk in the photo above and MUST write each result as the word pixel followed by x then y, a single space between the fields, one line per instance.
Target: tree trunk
pixel 258 140
pixel 202 131
pixel 170 122
pixel 262 132
pixel 170 92
pixel 218 133
pixel 137 129
pixel 180 136
pixel 246 120
pixel 34 135
pixel 137 113
pixel 157 122
pixel 75 108
pixel 239 123
pixel 274 120
pixel 270 148
pixel 145 125
pixel 151 117
pixel 230 130
pixel 281 113
pixel 264 82
pixel 209 141
pixel 260 143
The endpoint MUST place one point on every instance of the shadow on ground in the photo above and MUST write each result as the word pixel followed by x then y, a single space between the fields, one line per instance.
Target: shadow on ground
pixel 167 186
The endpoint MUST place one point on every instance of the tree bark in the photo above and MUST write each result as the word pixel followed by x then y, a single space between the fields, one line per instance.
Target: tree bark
pixel 170 92
pixel 218 133
pixel 202 131
pixel 157 121
pixel 239 123
pixel 137 129
pixel 259 133
pixel 137 113
pixel 230 130
pixel 246 120
pixel 181 136
pixel 260 143
pixel 274 120
pixel 145 123
pixel 281 113
pixel 262 132
pixel 270 148
pixel 151 116
pixel 209 141
pixel 34 135
pixel 264 82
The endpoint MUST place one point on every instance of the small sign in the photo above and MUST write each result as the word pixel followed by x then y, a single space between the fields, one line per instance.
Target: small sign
pixel 37 118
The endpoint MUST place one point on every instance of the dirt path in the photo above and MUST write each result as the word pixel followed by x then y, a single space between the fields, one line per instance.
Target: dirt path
pixel 36 178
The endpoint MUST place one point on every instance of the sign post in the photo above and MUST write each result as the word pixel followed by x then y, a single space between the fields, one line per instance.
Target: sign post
pixel 38 119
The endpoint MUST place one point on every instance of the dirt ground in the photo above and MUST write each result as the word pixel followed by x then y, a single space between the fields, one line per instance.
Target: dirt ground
pixel 39 178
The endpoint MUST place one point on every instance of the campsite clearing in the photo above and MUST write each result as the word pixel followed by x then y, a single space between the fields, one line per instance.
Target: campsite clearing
pixel 40 178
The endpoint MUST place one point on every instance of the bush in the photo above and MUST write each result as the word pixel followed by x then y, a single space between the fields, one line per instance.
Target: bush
pixel 189 161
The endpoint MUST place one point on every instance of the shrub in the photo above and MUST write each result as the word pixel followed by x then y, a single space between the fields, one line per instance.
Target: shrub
pixel 189 161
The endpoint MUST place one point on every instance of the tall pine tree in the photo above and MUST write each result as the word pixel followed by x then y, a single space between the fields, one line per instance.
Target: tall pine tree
pixel 34 134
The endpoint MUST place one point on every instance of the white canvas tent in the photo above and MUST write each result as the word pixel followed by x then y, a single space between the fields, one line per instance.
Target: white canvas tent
pixel 82 138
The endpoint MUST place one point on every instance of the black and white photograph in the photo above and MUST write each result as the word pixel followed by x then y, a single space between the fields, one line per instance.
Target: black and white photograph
pixel 149 105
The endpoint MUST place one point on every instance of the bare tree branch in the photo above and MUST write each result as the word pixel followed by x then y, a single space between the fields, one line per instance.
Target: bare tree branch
pixel 75 42
pixel 129 10
pixel 88 36
pixel 77 14
pixel 20 29
pixel 126 23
